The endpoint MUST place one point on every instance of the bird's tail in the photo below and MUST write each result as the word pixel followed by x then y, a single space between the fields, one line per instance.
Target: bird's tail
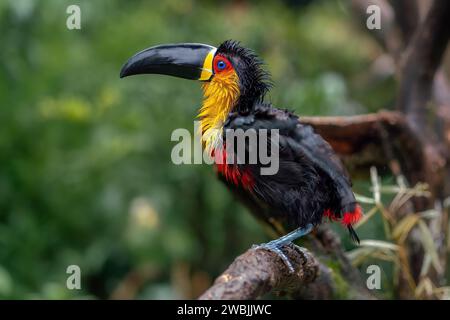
pixel 353 234
pixel 352 215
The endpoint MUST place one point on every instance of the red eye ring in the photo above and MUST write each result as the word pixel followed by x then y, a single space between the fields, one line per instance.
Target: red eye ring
pixel 221 64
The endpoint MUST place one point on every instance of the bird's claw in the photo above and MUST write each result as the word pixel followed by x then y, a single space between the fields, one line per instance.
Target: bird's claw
pixel 276 245
pixel 275 248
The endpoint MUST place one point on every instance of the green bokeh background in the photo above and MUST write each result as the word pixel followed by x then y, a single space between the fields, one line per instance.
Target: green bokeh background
pixel 85 170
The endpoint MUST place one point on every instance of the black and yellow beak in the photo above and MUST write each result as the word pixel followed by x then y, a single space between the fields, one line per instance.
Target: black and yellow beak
pixel 185 60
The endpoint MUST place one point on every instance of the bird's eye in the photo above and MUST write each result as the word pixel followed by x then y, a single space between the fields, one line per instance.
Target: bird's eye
pixel 221 65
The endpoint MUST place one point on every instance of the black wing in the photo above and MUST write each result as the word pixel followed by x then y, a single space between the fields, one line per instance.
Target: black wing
pixel 317 150
pixel 300 149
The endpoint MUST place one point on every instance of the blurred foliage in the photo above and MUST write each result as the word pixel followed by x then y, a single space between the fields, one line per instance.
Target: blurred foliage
pixel 85 170
pixel 391 252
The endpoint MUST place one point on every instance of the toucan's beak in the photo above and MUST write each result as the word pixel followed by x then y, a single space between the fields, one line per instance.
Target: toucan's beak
pixel 185 60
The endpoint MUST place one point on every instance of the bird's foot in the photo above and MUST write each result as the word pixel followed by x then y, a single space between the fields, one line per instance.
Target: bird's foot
pixel 276 245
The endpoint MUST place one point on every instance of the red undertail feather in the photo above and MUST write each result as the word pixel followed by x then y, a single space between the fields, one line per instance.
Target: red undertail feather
pixel 350 218
pixel 327 213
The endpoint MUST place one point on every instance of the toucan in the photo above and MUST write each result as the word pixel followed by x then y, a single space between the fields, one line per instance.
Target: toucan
pixel 310 185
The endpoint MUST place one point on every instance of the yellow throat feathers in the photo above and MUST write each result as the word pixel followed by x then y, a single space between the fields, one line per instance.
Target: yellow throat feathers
pixel 220 96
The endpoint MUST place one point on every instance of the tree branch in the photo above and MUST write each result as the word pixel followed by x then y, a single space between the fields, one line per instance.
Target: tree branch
pixel 422 59
pixel 380 139
pixel 420 79
pixel 352 134
pixel 407 17
pixel 258 272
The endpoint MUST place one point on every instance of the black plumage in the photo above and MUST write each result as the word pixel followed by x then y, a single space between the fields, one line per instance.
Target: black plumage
pixel 311 181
